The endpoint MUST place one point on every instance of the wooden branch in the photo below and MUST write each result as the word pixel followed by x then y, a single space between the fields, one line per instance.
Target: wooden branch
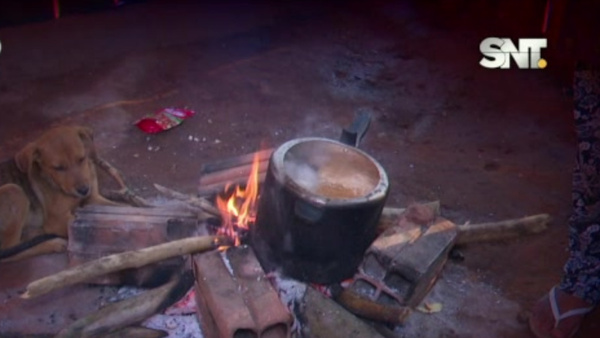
pixel 212 189
pixel 124 193
pixel 129 197
pixel 232 174
pixel 391 216
pixel 469 233
pixel 112 171
pixel 233 162
pixel 134 310
pixel 364 307
pixel 199 202
pixel 508 229
pixel 323 317
pixel 216 176
pixel 121 261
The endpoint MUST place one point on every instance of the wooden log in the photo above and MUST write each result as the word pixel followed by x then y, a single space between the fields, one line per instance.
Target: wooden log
pixel 406 260
pixel 238 296
pixel 198 202
pixel 503 230
pixel 367 308
pixel 100 230
pixel 121 261
pixel 233 162
pixel 205 318
pixel 232 174
pixel 134 310
pixel 271 317
pixel 222 295
pixel 211 190
pixel 391 216
pixel 324 318
pixel 216 176
pixel 468 233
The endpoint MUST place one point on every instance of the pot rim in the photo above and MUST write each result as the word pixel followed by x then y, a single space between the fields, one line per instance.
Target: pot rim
pixel 379 192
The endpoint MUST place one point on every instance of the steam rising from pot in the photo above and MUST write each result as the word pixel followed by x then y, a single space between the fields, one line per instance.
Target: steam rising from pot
pixel 331 176
pixel 303 174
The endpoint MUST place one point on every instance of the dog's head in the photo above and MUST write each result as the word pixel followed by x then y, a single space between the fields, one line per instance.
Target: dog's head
pixel 62 157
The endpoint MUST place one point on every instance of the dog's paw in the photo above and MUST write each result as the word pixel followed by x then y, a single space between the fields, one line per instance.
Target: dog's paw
pixel 57 245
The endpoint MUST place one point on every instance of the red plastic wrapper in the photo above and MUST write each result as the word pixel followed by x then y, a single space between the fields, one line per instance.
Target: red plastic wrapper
pixel 164 119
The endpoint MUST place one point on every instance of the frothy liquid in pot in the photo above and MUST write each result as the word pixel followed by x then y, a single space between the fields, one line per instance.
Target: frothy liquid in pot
pixel 332 181
pixel 337 183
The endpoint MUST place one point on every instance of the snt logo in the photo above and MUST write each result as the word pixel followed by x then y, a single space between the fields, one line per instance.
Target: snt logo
pixel 498 51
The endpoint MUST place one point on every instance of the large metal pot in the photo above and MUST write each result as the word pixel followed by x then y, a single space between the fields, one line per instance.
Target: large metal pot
pixel 318 210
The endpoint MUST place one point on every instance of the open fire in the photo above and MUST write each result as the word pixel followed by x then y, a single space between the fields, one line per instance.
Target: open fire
pixel 238 208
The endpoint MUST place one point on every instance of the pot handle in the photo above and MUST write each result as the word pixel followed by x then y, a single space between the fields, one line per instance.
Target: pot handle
pixel 353 134
pixel 307 211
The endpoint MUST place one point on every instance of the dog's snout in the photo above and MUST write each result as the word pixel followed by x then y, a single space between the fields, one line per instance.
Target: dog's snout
pixel 83 190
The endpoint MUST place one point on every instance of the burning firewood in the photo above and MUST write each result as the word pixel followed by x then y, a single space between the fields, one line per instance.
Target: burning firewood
pixel 122 261
pixel 235 162
pixel 215 188
pixel 215 177
pixel 224 176
pixel 117 316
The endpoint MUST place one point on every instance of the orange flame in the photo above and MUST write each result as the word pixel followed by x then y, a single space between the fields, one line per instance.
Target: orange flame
pixel 239 210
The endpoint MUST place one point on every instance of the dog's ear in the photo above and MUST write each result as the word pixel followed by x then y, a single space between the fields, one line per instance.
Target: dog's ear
pixel 87 137
pixel 26 157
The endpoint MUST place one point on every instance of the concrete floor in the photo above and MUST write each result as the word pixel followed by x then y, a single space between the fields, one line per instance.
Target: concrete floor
pixel 490 145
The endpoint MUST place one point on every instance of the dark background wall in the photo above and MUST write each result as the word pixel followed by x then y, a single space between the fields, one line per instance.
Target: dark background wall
pixel 573 28
pixel 24 11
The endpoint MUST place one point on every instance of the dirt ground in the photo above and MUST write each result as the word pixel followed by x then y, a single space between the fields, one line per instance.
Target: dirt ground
pixel 489 144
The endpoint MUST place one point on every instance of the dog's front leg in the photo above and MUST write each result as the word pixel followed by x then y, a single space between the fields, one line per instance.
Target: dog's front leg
pixel 14 206
pixel 57 221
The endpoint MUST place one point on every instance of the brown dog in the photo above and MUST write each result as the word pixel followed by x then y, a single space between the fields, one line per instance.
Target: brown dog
pixel 40 189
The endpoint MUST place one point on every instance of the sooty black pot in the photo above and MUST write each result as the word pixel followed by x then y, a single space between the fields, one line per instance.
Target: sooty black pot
pixel 318 210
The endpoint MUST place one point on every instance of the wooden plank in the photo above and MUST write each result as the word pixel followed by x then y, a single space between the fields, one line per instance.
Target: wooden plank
pixel 211 190
pixel 221 295
pixel 214 177
pixel 127 210
pixel 232 174
pixel 235 161
pixel 420 263
pixel 404 261
pixel 271 317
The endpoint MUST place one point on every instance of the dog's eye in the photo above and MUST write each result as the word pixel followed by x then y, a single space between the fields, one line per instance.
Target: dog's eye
pixel 60 168
pixel 80 161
